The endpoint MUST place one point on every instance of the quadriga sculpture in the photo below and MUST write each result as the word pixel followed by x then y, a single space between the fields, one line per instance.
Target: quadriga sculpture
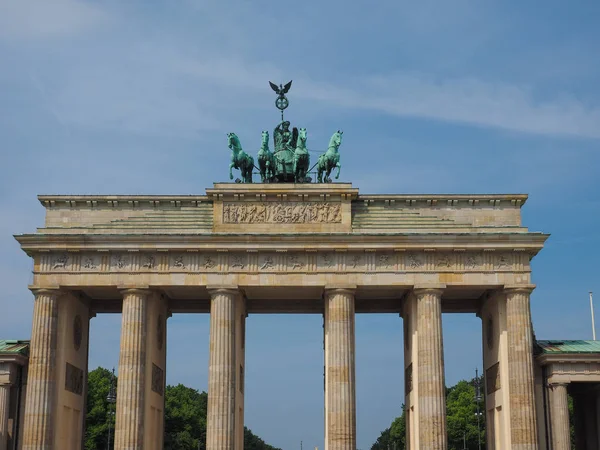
pixel 239 159
pixel 301 157
pixel 330 159
pixel 266 161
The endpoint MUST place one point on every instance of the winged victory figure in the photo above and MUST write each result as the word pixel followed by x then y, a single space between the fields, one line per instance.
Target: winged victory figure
pixel 281 90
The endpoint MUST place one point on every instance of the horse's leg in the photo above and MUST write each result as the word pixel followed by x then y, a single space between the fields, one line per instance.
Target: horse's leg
pixel 339 166
pixel 249 172
pixel 230 171
pixel 328 173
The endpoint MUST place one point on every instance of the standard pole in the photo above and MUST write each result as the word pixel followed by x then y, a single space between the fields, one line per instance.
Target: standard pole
pixel 478 399
pixel 592 310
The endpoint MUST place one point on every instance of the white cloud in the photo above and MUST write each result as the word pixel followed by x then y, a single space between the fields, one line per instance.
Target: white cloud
pixel 463 100
pixel 28 19
pixel 407 94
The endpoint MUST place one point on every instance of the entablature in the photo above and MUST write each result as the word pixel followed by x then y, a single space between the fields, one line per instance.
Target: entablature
pixel 283 208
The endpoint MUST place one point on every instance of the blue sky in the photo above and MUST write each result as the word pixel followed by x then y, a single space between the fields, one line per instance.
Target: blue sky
pixel 433 97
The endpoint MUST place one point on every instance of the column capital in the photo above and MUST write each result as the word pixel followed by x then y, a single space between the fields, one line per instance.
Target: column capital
pixel 437 289
pixel 556 384
pixel 135 290
pixel 519 289
pixel 341 289
pixel 55 291
pixel 223 290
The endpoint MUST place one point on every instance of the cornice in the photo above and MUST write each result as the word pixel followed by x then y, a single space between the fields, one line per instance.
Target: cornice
pixel 569 358
pixel 531 242
pixel 238 191
pixel 92 201
pixel 441 200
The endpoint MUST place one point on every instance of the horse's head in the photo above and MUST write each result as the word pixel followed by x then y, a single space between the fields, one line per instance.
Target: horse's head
pixel 233 141
pixel 302 137
pixel 336 139
pixel 265 139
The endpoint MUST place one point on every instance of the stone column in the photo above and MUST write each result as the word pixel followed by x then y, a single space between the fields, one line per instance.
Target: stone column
pixel 430 367
pixel 340 389
pixel 220 421
pixel 520 369
pixel 4 412
pixel 38 427
pixel 561 434
pixel 129 422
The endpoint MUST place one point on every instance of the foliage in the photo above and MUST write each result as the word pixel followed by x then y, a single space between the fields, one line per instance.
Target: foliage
pixel 572 420
pixel 185 417
pixel 253 442
pixel 461 413
pixel 96 420
pixel 461 416
pixel 394 437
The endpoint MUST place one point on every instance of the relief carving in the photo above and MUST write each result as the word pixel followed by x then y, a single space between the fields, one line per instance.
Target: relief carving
pixel 178 262
pixel 157 379
pixel 89 263
pixel 355 261
pixel 471 262
pixel 160 332
pixel 503 262
pixel 443 261
pixel 148 262
pixel 209 263
pixel 60 262
pixel 295 262
pixel 384 261
pixel 77 332
pixel 381 261
pixel 74 379
pixel 120 262
pixel 237 261
pixel 408 379
pixel 282 212
pixel 492 378
pixel 328 260
pixel 267 263
pixel 413 261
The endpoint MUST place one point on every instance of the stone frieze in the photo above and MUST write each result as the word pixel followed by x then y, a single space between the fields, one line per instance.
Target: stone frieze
pixel 256 261
pixel 282 212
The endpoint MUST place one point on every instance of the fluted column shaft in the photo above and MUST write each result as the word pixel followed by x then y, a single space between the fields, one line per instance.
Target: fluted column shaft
pixel 220 422
pixel 520 370
pixel 38 427
pixel 561 433
pixel 340 370
pixel 4 411
pixel 129 422
pixel 431 382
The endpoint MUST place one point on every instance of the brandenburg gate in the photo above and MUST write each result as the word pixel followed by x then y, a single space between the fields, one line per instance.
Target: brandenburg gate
pixel 252 248
pixel 285 245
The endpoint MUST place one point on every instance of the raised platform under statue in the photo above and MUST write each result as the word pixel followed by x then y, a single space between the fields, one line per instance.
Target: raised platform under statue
pixel 290 160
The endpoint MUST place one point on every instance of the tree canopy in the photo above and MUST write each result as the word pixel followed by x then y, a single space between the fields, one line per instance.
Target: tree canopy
pixel 461 413
pixel 185 417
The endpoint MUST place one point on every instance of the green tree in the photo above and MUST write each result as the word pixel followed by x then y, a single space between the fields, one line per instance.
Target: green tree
pixel 461 413
pixel 185 417
pixel 394 437
pixel 97 417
